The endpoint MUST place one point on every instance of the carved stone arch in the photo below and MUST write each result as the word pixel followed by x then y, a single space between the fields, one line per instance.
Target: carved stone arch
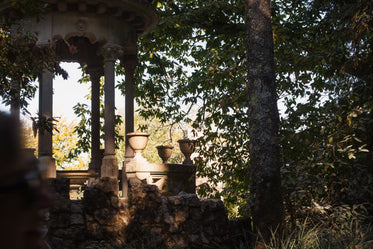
pixel 78 48
pixel 89 35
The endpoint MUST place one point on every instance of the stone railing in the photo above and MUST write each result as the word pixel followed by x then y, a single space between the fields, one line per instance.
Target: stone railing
pixel 171 179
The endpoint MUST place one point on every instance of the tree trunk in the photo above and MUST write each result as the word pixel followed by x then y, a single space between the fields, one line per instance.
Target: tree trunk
pixel 265 185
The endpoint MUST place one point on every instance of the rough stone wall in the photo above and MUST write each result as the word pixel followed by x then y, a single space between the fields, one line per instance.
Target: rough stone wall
pixel 101 218
pixel 183 220
pixel 66 225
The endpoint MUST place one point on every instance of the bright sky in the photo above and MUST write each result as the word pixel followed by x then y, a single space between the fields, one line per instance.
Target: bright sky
pixel 68 93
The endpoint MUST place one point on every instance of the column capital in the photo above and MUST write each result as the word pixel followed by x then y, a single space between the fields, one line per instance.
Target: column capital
pixel 95 70
pixel 111 52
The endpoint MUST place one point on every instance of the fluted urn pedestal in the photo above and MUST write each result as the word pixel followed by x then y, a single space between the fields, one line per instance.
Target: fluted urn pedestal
pixel 164 152
pixel 138 142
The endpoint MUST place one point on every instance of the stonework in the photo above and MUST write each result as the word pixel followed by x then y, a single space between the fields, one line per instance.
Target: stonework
pixel 171 179
pixel 146 216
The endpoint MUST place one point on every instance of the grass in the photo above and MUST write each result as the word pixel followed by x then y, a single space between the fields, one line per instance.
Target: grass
pixel 344 228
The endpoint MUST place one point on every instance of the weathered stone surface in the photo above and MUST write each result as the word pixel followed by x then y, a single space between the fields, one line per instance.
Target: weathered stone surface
pixel 105 216
pixel 59 220
pixel 76 219
pixel 60 186
pixel 146 216
pixel 108 185
pixel 76 206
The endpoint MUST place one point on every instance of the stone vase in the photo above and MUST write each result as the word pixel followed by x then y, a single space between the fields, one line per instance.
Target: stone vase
pixel 164 152
pixel 138 142
pixel 187 147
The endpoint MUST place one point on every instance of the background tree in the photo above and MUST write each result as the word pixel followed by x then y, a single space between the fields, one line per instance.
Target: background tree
pixel 195 59
pixel 64 141
pixel 323 58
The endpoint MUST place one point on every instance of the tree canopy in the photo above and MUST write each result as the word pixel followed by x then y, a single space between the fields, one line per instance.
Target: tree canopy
pixel 195 60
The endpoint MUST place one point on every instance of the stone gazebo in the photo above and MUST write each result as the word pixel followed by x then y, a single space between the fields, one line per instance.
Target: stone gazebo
pixel 96 33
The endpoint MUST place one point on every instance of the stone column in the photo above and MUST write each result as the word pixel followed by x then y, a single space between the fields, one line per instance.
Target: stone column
pixel 129 62
pixel 109 166
pixel 95 73
pixel 15 101
pixel 46 111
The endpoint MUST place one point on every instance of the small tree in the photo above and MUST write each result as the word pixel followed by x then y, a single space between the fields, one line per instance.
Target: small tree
pixel 64 141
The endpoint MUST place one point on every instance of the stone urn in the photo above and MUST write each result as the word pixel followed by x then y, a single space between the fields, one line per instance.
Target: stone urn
pixel 164 152
pixel 138 141
pixel 187 147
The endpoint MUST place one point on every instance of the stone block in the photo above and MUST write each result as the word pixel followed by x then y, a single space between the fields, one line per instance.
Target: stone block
pixel 114 200
pixel 208 231
pixel 59 204
pixel 109 167
pixel 76 206
pixel 60 220
pixel 94 199
pixel 77 219
pixel 195 213
pixel 105 216
pixel 193 227
pixel 60 186
pixel 180 216
pixel 194 240
pixel 108 185
pixel 134 183
pixel 94 230
pixel 177 241
pixel 175 200
pixel 193 201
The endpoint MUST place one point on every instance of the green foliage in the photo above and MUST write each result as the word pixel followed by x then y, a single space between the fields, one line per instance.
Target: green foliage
pixel 64 141
pixel 343 227
pixel 44 124
pixel 160 134
pixel 192 71
pixel 21 60
pixel 323 52
pixel 17 72
pixel 83 129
